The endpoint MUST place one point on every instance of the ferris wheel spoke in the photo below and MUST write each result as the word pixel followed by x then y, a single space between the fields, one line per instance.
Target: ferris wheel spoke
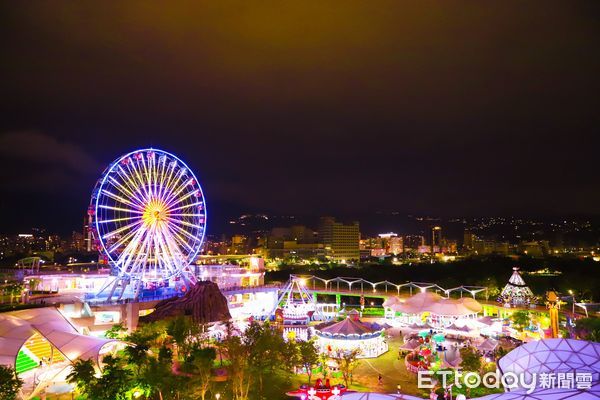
pixel 137 180
pixel 180 239
pixel 162 162
pixel 171 255
pixel 124 260
pixel 106 221
pixel 166 178
pixel 186 215
pixel 120 199
pixel 140 180
pixel 141 258
pixel 176 253
pixel 120 209
pixel 147 173
pixel 159 256
pixel 172 185
pixel 131 183
pixel 123 239
pixel 198 203
pixel 174 200
pixel 177 222
pixel 124 190
pixel 186 233
pixel 121 229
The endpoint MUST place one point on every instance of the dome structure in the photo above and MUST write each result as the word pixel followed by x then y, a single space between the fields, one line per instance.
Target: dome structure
pixel 553 356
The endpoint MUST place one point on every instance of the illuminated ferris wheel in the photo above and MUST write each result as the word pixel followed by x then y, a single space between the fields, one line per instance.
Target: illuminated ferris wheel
pixel 149 218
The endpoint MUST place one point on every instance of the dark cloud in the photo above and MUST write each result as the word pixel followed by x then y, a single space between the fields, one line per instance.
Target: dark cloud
pixel 323 107
pixel 30 147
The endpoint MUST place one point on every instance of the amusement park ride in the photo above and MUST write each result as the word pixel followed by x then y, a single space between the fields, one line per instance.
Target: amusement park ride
pixel 148 217
pixel 296 305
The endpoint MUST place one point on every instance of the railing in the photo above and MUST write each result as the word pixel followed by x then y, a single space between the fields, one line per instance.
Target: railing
pixel 229 289
pixel 141 299
pixel 363 286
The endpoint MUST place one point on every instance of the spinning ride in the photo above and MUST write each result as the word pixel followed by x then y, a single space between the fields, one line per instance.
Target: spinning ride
pixel 149 220
pixel 424 357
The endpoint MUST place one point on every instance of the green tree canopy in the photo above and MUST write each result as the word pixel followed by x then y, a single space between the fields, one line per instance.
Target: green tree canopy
pixel 10 383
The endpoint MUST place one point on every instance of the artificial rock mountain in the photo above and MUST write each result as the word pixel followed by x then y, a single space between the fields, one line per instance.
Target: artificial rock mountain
pixel 204 302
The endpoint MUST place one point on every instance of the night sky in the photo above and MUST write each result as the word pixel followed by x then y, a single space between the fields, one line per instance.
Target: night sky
pixel 310 108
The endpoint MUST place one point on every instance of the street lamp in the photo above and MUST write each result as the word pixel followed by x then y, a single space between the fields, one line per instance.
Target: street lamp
pixel 572 298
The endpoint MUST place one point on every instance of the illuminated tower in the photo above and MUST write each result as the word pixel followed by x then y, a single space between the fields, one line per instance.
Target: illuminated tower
pixel 436 239
pixel 553 304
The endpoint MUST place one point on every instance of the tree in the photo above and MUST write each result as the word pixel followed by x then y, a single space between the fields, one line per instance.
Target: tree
pixel 34 283
pixel 202 361
pixel 157 376
pixel 347 361
pixel 113 384
pixel 521 319
pixel 588 329
pixel 117 331
pixel 237 353
pixel 471 360
pixel 185 333
pixel 82 376
pixel 115 381
pixel 308 356
pixel 268 352
pixel 10 383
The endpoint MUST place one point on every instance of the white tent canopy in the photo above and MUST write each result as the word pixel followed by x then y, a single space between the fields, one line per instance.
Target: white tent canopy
pixel 436 304
pixel 18 326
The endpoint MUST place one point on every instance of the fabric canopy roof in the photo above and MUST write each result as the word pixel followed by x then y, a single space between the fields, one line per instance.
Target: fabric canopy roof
pixel 436 304
pixel 488 345
pixel 410 345
pixel 18 326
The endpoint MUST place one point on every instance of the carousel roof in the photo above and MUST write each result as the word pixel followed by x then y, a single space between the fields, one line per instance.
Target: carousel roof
pixel 347 327
pixel 434 303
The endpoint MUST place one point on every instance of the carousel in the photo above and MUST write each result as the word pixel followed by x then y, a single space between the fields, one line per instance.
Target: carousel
pixel 351 334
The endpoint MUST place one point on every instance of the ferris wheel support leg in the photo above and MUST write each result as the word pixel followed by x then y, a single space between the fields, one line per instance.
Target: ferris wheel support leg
pixel 123 291
pixel 110 280
pixel 138 286
pixel 112 289
pixel 187 281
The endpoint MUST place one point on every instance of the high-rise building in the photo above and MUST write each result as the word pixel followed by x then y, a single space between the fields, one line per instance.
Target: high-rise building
pixel 392 243
pixel 469 239
pixel 436 239
pixel 413 242
pixel 341 240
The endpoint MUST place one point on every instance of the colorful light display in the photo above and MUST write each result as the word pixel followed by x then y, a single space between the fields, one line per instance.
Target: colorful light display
pixel 149 216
